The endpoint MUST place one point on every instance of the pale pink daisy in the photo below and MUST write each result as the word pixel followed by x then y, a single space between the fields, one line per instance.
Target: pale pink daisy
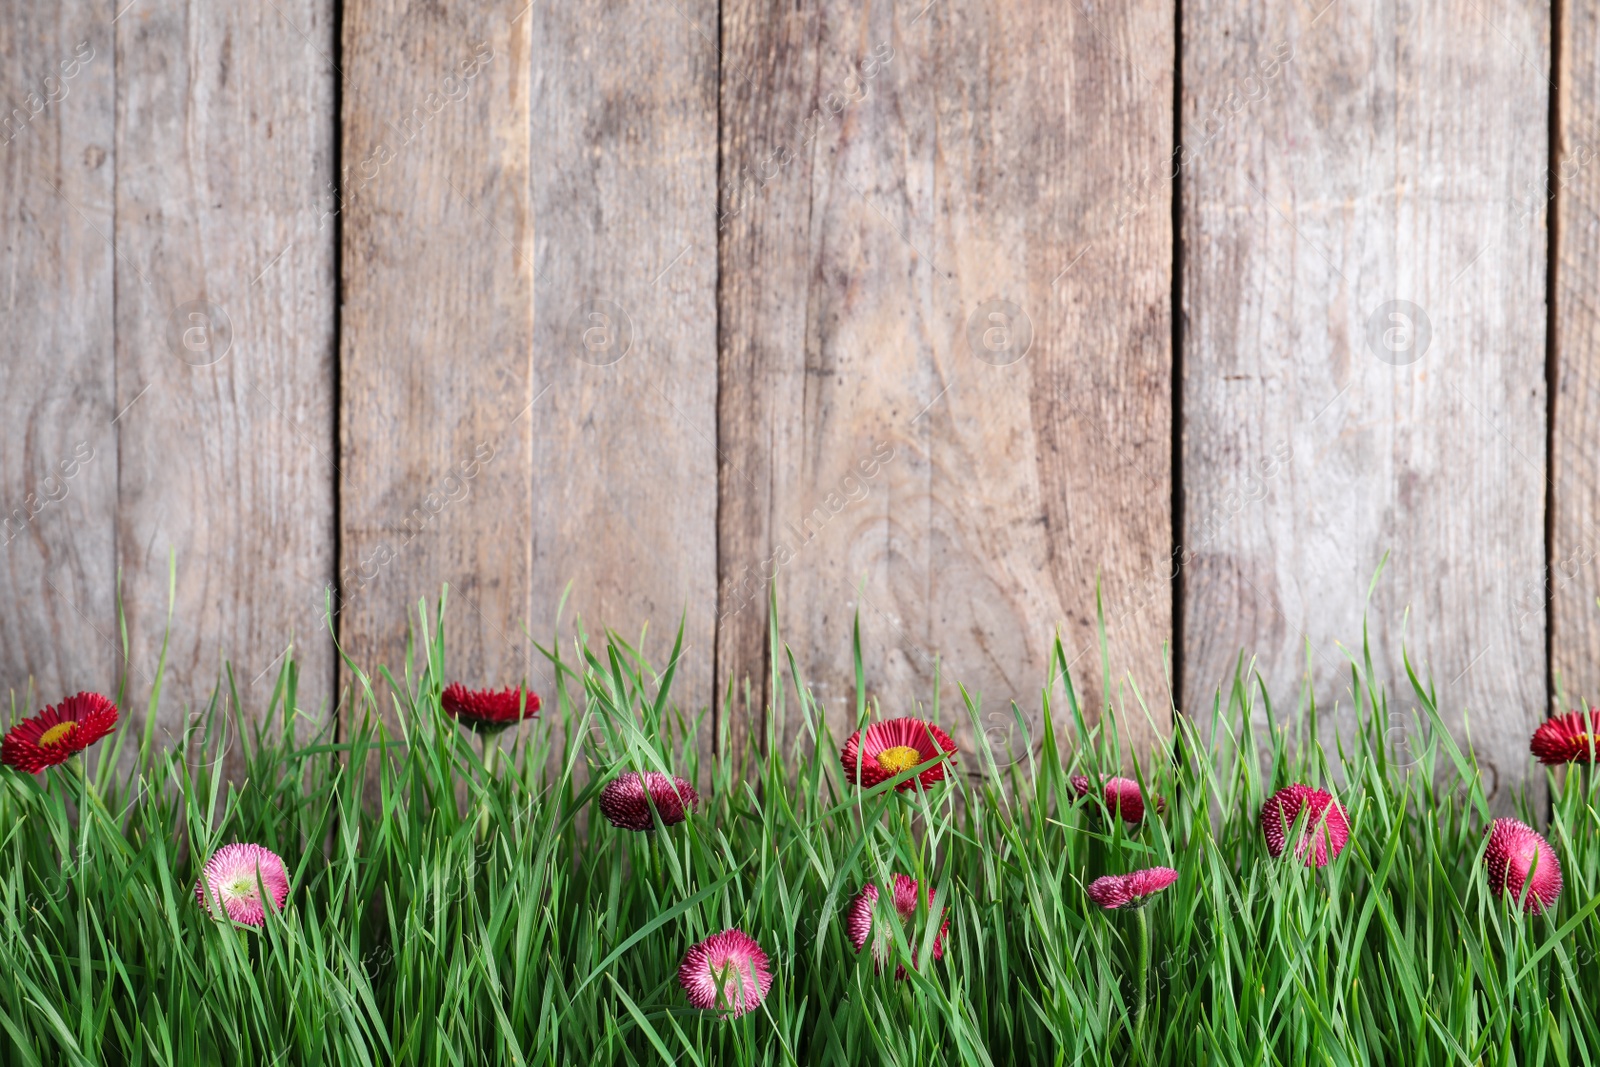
pixel 230 878
pixel 867 918
pixel 726 971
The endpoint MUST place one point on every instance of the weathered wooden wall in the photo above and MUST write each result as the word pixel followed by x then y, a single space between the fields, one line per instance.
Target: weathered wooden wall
pixel 58 440
pixel 1364 357
pixel 946 346
pixel 625 323
pixel 225 340
pixel 436 382
pixel 675 300
pixel 1573 204
pixel 170 343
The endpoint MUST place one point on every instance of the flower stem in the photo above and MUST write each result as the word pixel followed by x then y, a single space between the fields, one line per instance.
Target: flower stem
pixel 83 812
pixel 1141 982
pixel 491 757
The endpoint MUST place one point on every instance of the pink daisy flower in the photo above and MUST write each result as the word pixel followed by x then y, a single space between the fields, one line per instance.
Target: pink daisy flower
pixel 488 711
pixel 1567 738
pixel 1326 828
pixel 58 733
pixel 626 800
pixel 886 749
pixel 867 919
pixel 1514 851
pixel 1120 890
pixel 230 878
pixel 1122 796
pixel 726 970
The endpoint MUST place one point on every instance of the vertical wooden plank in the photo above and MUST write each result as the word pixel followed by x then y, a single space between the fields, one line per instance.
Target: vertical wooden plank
pixel 965 418
pixel 58 449
pixel 624 431
pixel 1574 185
pixel 437 331
pixel 225 310
pixel 1364 359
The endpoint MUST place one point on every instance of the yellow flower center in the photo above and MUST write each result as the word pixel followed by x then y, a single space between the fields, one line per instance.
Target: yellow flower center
pixel 899 758
pixel 57 733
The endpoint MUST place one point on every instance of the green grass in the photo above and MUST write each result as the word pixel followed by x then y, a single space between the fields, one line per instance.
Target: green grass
pixel 422 930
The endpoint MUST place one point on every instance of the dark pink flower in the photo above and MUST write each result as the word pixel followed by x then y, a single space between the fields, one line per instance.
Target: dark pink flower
pixel 58 733
pixel 1121 795
pixel 867 919
pixel 488 710
pixel 728 971
pixel 1119 890
pixel 886 749
pixel 626 800
pixel 233 879
pixel 1514 851
pixel 1569 738
pixel 1326 827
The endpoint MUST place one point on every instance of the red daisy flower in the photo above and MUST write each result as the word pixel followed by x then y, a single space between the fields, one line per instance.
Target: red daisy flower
pixel 726 970
pixel 1120 890
pixel 864 909
pixel 886 749
pixel 1121 796
pixel 58 732
pixel 1514 851
pixel 1326 830
pixel 627 798
pixel 488 710
pixel 1567 738
pixel 233 878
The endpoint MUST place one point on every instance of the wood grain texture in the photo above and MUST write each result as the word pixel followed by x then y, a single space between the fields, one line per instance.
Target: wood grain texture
pixel 437 331
pixel 625 430
pixel 1574 185
pixel 1336 159
pixel 58 449
pixel 888 446
pixel 225 343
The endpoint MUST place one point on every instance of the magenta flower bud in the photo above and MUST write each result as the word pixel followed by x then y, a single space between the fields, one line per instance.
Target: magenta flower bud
pixel 1122 797
pixel 1519 859
pixel 626 800
pixel 1326 827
